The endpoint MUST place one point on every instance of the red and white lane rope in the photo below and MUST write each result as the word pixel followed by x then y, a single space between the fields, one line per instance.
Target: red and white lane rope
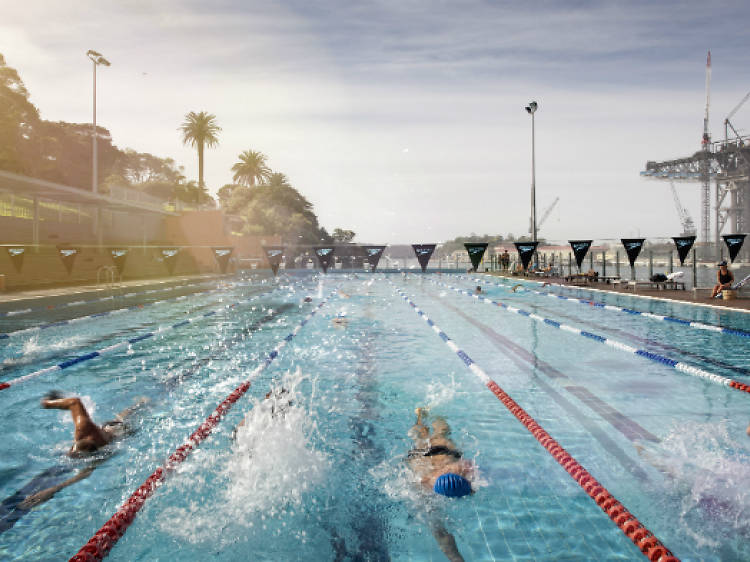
pixel 644 539
pixel 105 538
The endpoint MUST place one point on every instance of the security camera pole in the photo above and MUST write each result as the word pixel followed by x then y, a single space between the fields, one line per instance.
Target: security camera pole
pixel 531 109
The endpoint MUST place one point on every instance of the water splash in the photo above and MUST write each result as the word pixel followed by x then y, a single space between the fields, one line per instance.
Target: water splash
pixel 271 470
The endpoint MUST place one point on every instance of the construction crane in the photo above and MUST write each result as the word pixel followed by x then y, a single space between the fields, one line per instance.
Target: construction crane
pixel 688 226
pixel 727 124
pixel 544 216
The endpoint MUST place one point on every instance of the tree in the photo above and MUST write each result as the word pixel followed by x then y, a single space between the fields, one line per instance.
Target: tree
pixel 200 130
pixel 251 169
pixel 345 236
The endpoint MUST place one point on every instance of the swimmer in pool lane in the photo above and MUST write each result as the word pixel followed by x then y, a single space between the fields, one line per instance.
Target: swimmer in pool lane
pixel 437 462
pixel 88 437
pixel 478 290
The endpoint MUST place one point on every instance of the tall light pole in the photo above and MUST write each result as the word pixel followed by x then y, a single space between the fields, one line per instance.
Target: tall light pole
pixel 96 59
pixel 531 109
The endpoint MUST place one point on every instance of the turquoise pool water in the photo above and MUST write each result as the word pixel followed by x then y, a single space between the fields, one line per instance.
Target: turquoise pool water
pixel 327 481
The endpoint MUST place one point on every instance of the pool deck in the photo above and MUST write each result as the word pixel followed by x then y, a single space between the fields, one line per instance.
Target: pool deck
pixel 686 297
pixel 32 295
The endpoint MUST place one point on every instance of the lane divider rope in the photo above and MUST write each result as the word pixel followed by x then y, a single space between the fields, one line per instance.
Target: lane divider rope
pixel 114 347
pixel 644 539
pixel 657 358
pixel 661 317
pixel 105 538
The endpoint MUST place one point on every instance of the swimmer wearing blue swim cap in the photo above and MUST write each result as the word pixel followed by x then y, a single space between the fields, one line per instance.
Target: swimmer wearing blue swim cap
pixel 440 467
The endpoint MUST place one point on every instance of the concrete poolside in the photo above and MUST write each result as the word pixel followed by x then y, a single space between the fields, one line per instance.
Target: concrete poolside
pixel 686 296
pixel 104 289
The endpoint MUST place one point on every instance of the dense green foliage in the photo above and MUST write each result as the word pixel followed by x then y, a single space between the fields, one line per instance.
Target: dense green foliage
pixel 61 152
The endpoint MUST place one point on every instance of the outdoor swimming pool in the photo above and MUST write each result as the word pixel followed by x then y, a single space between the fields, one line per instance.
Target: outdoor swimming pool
pixel 327 481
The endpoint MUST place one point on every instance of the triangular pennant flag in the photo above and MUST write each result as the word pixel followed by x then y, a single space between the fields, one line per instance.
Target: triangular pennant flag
pixel 423 253
pixel 683 243
pixel 119 255
pixel 169 257
pixel 525 251
pixel 734 243
pixel 222 255
pixel 325 256
pixel 16 257
pixel 632 248
pixel 580 248
pixel 274 254
pixel 372 255
pixel 476 252
pixel 68 257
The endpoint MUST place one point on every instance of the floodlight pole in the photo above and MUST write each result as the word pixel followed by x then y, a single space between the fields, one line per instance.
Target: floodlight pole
pixel 531 109
pixel 96 60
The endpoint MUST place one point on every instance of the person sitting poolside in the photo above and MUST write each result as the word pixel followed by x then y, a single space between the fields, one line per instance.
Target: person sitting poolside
pixel 724 279
pixel 88 437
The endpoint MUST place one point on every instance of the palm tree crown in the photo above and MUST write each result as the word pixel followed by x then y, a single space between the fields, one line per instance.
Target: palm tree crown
pixel 251 169
pixel 200 130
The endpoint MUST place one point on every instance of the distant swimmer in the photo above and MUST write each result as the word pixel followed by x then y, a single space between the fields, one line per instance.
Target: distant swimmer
pixel 340 320
pixel 439 465
pixel 343 295
pixel 478 290
pixel 307 299
pixel 88 437
pixel 516 287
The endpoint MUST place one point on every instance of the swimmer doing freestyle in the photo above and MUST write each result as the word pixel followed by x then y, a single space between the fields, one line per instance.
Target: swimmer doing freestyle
pixel 440 468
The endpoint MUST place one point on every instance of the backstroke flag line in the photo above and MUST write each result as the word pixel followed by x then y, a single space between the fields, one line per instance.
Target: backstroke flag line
pixel 423 253
pixel 373 254
pixel 68 257
pixel 683 243
pixel 580 248
pixel 525 251
pixel 16 257
pixel 274 254
pixel 325 256
pixel 476 252
pixel 169 257
pixel 734 243
pixel 119 255
pixel 222 255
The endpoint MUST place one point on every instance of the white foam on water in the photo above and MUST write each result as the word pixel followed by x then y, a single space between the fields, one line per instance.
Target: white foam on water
pixel 271 469
pixel 708 467
pixel 439 393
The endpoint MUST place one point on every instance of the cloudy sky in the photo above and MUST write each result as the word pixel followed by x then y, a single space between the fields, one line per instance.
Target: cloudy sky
pixel 403 120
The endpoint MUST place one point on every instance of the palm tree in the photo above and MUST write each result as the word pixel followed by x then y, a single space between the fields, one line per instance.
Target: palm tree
pixel 200 130
pixel 251 169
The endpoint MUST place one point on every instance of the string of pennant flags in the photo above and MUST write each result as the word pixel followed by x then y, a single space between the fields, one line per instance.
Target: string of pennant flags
pixel 476 251
pixel 119 254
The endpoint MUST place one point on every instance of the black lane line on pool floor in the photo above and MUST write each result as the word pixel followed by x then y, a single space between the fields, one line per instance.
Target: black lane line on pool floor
pixel 633 338
pixel 630 429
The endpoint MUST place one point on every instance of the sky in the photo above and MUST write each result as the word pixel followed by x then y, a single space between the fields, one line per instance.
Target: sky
pixel 404 120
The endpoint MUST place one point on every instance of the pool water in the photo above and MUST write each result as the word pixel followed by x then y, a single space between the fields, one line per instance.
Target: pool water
pixel 326 480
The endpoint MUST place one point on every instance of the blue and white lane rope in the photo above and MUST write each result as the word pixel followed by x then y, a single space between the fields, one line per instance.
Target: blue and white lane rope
pixel 633 312
pixel 648 543
pixel 677 365
pixel 114 347
pixel 105 538
pixel 136 307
